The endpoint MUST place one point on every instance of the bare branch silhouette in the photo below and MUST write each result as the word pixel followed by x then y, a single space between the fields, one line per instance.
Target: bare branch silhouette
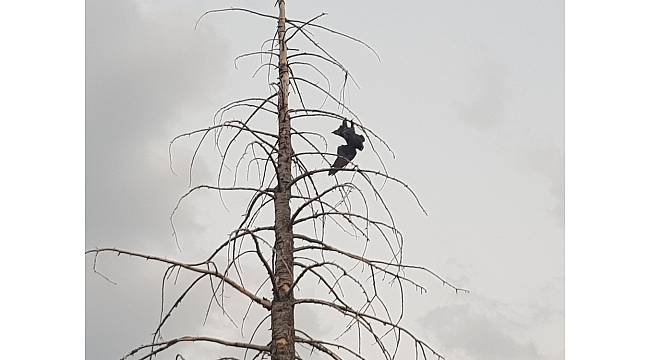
pixel 282 164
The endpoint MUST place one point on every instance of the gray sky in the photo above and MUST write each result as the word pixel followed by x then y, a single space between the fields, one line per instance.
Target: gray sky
pixel 470 95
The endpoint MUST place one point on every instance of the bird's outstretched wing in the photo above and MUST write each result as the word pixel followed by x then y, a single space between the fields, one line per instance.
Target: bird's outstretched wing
pixel 341 129
pixel 356 140
pixel 352 138
pixel 345 154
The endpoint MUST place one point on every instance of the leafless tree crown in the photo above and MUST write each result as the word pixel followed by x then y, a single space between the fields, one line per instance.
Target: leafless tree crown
pixel 285 172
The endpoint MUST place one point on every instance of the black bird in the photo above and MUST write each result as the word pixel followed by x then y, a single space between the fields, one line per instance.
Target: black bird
pixel 345 154
pixel 350 136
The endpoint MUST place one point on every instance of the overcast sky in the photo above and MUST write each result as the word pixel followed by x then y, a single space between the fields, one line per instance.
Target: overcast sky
pixel 469 94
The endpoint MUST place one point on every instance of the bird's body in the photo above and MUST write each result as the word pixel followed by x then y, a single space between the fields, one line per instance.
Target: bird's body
pixel 351 137
pixel 345 154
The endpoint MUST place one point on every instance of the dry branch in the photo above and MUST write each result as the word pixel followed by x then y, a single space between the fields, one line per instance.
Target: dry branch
pixel 286 179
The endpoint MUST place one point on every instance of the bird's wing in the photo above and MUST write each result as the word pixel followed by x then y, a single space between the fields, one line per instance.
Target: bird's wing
pixel 352 138
pixel 357 141
pixel 348 133
pixel 339 131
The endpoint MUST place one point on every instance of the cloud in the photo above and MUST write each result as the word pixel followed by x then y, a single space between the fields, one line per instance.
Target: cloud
pixel 476 327
pixel 146 75
pixel 480 98
pixel 473 335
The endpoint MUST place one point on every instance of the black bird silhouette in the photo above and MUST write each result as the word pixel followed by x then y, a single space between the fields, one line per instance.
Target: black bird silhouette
pixel 350 136
pixel 345 154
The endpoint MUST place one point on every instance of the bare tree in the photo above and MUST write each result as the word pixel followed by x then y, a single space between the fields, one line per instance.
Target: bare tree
pixel 304 212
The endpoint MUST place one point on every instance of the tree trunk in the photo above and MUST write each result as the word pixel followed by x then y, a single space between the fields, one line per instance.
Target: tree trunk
pixel 282 318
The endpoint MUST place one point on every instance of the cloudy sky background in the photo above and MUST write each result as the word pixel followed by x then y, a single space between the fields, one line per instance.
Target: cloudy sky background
pixel 468 93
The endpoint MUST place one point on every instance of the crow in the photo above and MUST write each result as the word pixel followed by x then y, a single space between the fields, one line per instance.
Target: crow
pixel 345 154
pixel 351 137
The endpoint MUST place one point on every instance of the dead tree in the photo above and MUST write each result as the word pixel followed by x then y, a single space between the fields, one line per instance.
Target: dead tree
pixel 305 210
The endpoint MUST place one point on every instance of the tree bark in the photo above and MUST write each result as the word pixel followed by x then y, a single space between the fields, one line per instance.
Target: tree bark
pixel 282 315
